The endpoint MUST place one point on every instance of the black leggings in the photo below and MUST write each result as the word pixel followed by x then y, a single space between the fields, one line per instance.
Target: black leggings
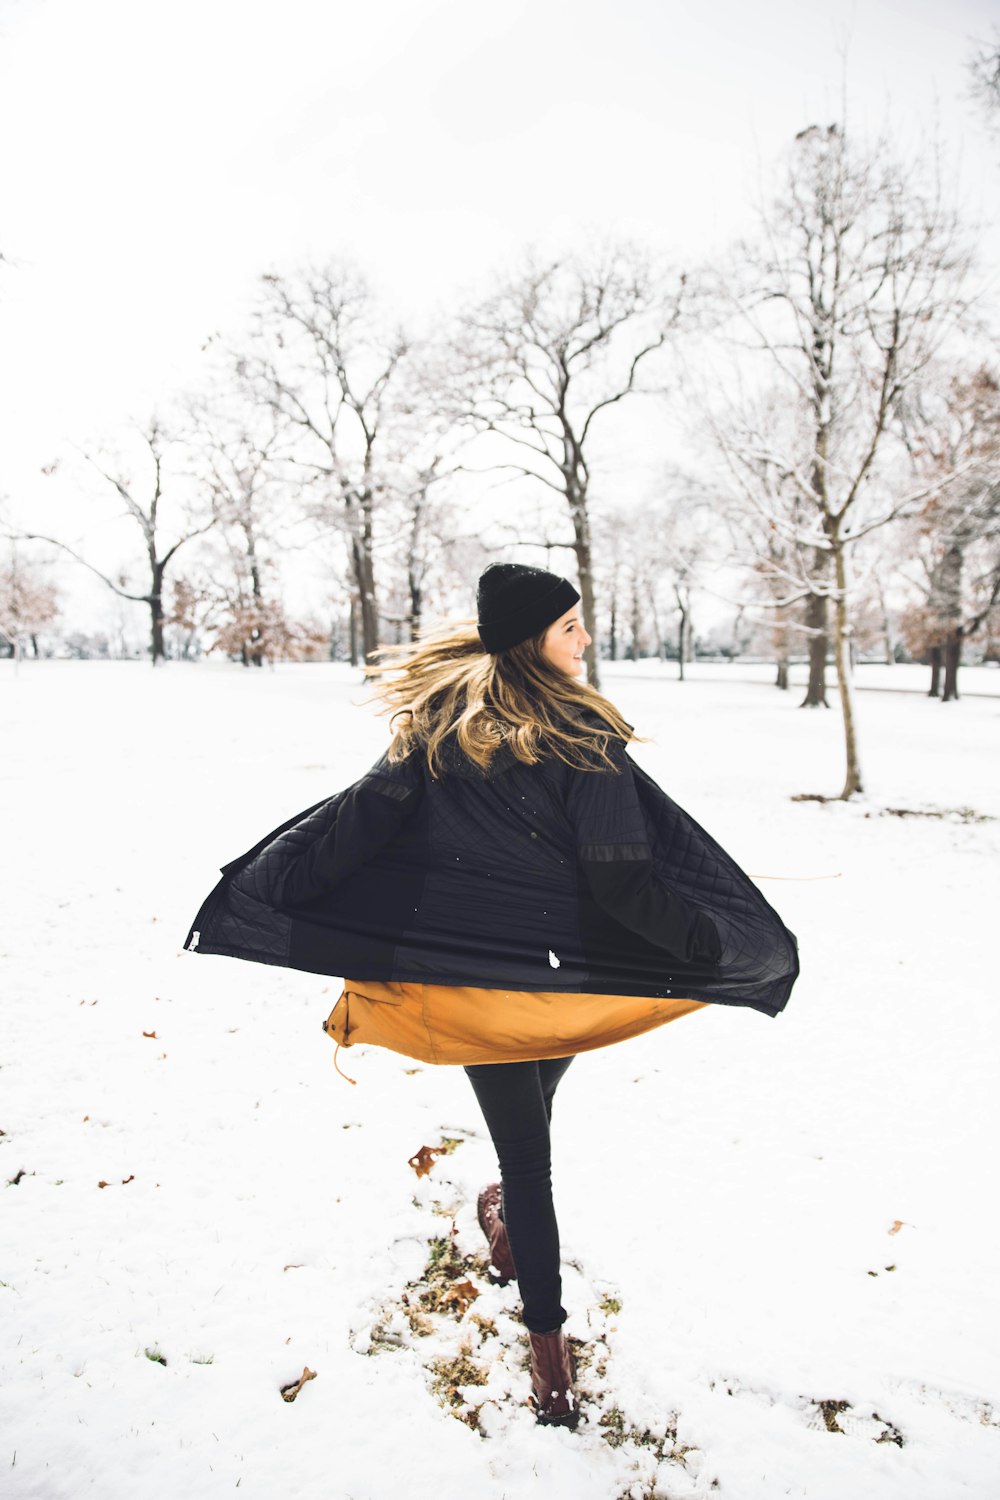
pixel 516 1100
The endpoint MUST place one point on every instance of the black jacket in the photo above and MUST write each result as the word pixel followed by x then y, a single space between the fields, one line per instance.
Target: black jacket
pixel 528 878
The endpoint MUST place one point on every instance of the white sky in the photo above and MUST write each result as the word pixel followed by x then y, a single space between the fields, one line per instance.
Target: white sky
pixel 157 158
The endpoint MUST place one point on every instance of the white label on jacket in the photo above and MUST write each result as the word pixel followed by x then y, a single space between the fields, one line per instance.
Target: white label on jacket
pixel 553 961
pixel 192 945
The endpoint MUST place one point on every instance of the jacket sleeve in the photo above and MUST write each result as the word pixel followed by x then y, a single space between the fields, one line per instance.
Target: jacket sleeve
pixel 614 854
pixel 369 815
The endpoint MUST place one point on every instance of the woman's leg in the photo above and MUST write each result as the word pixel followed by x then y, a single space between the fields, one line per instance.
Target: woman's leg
pixel 550 1071
pixel 516 1100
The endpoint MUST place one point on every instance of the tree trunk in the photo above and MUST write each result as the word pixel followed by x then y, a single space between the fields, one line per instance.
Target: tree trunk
pixel 585 572
pixel 355 641
pixel 614 625
pixel 414 570
pixel 256 653
pixel 845 682
pixel 681 641
pixel 359 512
pixel 890 654
pixel 661 645
pixel 935 654
pixel 952 658
pixel 949 582
pixel 364 577
pixel 816 619
pixel 781 677
pixel 416 606
pixel 156 614
pixel 636 626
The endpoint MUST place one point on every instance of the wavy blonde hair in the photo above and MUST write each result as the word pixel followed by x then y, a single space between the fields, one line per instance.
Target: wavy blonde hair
pixel 446 686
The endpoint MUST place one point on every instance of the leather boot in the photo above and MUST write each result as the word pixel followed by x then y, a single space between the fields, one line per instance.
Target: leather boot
pixel 496 1232
pixel 552 1379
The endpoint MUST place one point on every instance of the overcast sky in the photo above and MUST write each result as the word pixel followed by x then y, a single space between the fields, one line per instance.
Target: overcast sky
pixel 158 157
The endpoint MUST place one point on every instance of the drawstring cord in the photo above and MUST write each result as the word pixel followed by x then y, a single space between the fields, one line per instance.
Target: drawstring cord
pixel 338 1067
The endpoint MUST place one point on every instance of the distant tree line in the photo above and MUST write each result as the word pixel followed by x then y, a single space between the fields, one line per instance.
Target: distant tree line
pixel 833 383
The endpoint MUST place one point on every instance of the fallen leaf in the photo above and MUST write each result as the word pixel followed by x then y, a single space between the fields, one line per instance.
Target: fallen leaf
pixel 897 1225
pixel 149 1033
pixel 289 1392
pixel 86 1117
pixel 128 1179
pixel 294 1265
pixel 460 1295
pixel 102 1183
pixel 424 1159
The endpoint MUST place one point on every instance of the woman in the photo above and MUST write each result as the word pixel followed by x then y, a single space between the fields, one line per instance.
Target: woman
pixel 507 890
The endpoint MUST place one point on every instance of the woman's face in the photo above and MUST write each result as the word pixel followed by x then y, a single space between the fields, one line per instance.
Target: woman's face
pixel 564 642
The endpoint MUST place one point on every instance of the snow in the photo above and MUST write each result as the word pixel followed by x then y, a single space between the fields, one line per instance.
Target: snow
pixel 757 1216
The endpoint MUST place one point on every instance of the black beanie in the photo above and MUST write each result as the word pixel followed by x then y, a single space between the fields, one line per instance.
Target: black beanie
pixel 516 603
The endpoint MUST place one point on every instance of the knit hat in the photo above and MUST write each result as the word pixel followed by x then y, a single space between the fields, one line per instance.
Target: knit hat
pixel 516 603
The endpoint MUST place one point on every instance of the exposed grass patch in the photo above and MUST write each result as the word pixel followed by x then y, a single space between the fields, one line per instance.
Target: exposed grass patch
pixel 445 1287
pixel 617 1430
pixel 155 1356
pixel 890 1434
pixel 449 1375
pixel 950 814
pixel 953 814
pixel 832 1411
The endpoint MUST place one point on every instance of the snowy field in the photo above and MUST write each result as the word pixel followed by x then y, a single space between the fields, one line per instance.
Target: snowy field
pixel 779 1237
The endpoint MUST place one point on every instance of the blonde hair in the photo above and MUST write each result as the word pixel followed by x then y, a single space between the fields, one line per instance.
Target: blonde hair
pixel 447 686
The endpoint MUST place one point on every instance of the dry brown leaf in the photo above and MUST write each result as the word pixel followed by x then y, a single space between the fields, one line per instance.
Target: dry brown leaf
pixel 102 1183
pixel 295 1265
pixel 897 1225
pixel 289 1392
pixel 149 1033
pixel 460 1295
pixel 424 1159
pixel 128 1179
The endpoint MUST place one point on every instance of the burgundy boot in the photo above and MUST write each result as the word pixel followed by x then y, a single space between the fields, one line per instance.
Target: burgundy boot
pixel 496 1232
pixel 552 1379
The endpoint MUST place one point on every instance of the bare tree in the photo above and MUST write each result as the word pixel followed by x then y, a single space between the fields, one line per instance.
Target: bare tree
pixel 237 450
pixel 28 602
pixel 324 360
pixel 143 494
pixel 856 281
pixel 957 532
pixel 984 70
pixel 682 542
pixel 537 362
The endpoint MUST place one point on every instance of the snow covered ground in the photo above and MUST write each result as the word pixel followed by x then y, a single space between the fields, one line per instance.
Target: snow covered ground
pixel 779 1237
